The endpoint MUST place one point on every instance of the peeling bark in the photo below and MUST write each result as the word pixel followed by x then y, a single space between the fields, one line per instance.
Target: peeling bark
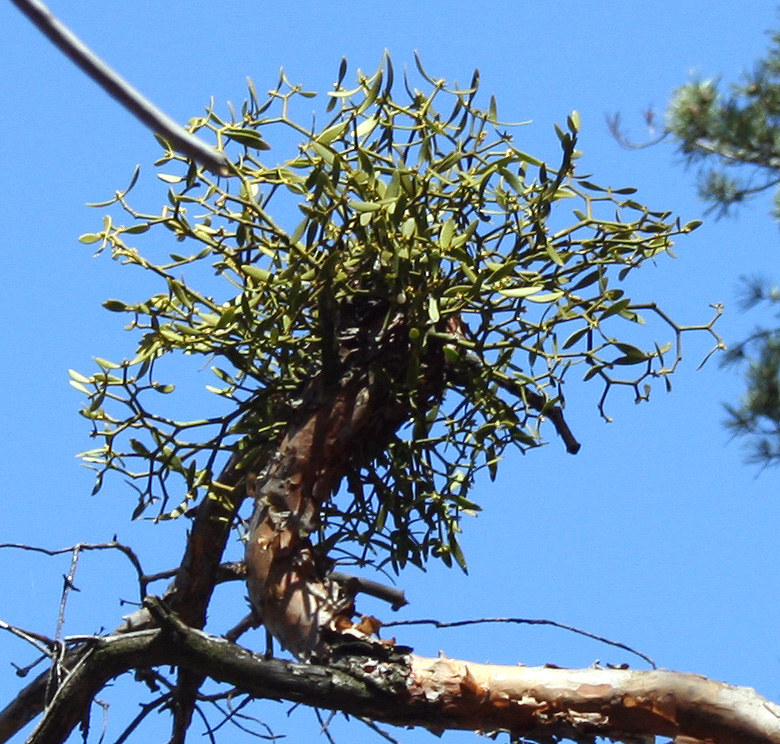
pixel 439 694
pixel 614 703
pixel 288 585
pixel 353 402
pixel 346 411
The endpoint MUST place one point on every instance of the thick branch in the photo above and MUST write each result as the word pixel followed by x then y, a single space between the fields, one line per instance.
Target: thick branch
pixel 396 598
pixel 540 702
pixel 438 694
pixel 290 590
pixel 336 425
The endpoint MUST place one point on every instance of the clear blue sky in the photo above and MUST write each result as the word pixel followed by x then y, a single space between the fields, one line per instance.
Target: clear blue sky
pixel 656 534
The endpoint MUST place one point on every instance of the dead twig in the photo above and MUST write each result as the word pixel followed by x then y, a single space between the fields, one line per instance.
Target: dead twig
pixel 143 579
pixel 524 621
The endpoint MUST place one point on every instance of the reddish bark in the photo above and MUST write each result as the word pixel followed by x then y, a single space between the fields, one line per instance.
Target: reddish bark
pixel 288 585
pixel 352 408
pixel 535 703
pixel 538 702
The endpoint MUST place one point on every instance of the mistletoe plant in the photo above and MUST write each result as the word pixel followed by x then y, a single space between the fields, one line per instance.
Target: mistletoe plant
pixel 394 306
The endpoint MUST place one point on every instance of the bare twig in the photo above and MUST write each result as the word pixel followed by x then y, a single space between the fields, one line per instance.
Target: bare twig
pixel 67 585
pixel 356 584
pixel 57 668
pixel 524 621
pixel 116 86
pixel 42 643
pixel 146 709
pixel 234 713
pixel 378 731
pixel 246 623
pixel 143 579
pixel 168 574
pixel 23 671
pixel 325 724
pixel 208 730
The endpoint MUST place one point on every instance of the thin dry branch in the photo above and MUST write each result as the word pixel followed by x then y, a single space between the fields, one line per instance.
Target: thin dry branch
pixel 42 643
pixel 143 579
pixel 523 621
pixel 117 87
pixel 188 594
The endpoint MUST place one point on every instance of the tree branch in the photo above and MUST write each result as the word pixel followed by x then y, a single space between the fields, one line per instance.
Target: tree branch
pixel 521 621
pixel 540 403
pixel 395 597
pixel 117 87
pixel 536 703
pixel 188 595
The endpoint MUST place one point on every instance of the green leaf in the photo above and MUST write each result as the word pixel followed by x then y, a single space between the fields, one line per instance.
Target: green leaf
pixel 331 133
pixel 590 278
pixel 325 153
pixel 410 214
pixel 246 137
pixel 457 554
pixel 364 206
pixel 255 272
pixel 79 387
pixel 590 186
pixel 447 231
pixel 530 159
pixel 433 310
pixel 574 337
pixel 88 238
pixel 628 360
pixel 512 180
pixel 106 364
pixel 492 111
pixel 631 352
pixel 546 296
pixel 115 306
pixel 522 291
pixel 594 370
pixel 366 127
pixel 138 229
pixel 553 254
pixel 500 270
pixel 139 448
pixel 616 308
